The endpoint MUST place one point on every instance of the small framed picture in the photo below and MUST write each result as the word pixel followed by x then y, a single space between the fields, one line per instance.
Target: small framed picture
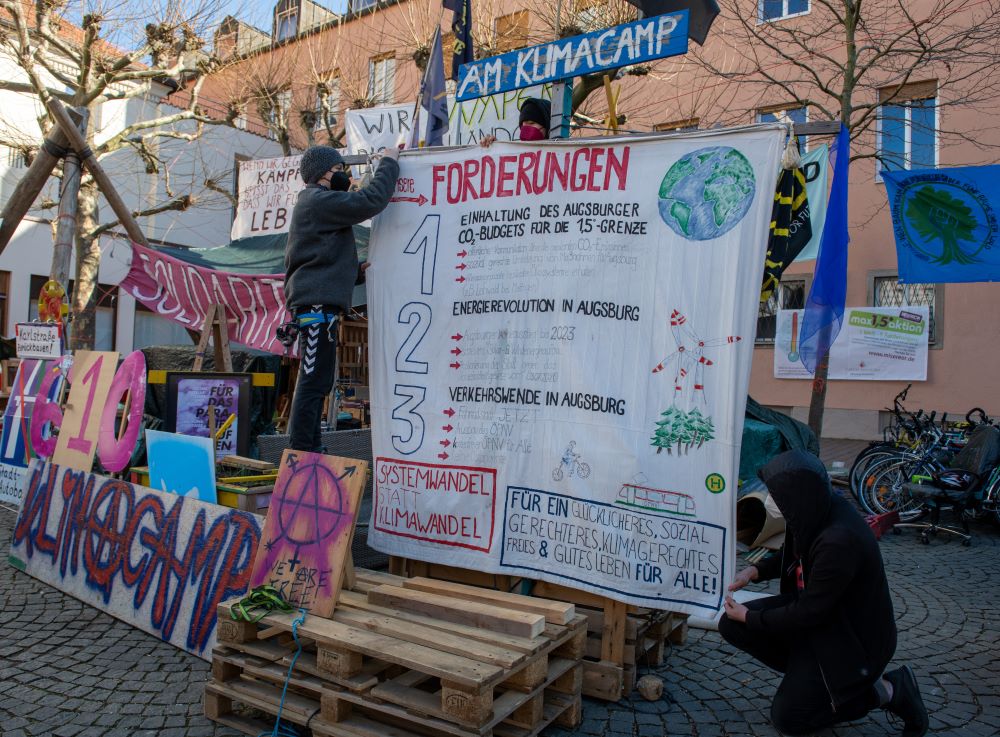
pixel 192 395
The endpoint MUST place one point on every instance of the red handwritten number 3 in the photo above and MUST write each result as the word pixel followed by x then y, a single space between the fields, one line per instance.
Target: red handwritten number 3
pixel 80 443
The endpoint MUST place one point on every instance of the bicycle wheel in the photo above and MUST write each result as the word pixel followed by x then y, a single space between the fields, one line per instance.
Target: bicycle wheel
pixel 582 470
pixel 884 487
pixel 557 473
pixel 870 455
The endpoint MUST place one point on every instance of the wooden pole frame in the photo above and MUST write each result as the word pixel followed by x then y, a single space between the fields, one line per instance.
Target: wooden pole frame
pixel 59 113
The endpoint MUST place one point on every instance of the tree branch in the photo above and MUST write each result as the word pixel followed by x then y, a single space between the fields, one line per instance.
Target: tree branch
pixel 177 204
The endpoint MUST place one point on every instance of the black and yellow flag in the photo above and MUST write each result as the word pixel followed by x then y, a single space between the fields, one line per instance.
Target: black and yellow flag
pixel 790 231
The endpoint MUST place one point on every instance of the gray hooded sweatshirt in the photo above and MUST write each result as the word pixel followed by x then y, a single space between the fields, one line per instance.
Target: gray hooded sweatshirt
pixel 321 258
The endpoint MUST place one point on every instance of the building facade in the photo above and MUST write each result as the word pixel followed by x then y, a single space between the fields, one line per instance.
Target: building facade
pixel 764 60
pixel 26 261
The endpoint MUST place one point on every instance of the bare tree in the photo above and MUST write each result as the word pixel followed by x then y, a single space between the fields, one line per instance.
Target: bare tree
pixel 161 47
pixel 849 57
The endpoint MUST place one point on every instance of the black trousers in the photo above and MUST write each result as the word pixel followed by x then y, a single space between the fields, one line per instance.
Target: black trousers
pixel 802 704
pixel 317 359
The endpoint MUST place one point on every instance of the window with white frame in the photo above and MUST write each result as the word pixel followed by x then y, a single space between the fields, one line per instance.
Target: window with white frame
pixel 382 79
pixel 907 127
pixel 887 291
pixel 287 25
pixel 327 103
pixel 358 5
pixel 786 115
pixel 778 9
pixel 790 295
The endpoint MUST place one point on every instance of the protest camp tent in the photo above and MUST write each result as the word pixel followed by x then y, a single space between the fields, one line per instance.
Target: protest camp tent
pixel 264 254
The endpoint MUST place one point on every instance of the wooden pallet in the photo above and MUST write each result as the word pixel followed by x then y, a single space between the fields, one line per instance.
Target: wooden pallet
pixel 249 681
pixel 621 638
pixel 455 655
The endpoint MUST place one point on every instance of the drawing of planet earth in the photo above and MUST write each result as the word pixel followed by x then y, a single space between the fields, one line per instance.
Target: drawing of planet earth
pixel 707 192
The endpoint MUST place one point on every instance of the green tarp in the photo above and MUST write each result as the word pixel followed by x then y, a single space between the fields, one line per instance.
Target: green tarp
pixel 766 433
pixel 263 254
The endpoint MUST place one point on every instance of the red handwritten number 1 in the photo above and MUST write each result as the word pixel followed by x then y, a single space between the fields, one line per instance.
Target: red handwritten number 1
pixel 79 442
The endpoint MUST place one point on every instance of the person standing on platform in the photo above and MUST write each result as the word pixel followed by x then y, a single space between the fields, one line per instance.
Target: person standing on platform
pixel 321 271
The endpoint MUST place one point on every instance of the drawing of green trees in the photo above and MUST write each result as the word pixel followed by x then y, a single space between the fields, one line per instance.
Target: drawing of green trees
pixel 936 215
pixel 683 429
pixel 665 434
pixel 701 427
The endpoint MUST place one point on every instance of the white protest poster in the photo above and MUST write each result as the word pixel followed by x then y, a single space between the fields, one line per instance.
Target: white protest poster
pixel 370 130
pixel 874 344
pixel 495 115
pixel 38 340
pixel 268 189
pixel 374 129
pixel 561 349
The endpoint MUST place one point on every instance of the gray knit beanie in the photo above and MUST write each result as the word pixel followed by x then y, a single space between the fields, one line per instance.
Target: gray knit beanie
pixel 317 161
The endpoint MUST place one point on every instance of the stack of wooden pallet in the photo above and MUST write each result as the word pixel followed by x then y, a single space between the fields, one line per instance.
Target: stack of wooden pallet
pixel 406 657
pixel 621 639
pixel 647 632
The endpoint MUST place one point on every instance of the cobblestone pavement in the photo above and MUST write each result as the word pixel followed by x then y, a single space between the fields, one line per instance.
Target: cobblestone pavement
pixel 69 670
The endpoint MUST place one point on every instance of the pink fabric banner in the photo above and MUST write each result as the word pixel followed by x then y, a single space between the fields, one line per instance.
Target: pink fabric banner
pixel 182 292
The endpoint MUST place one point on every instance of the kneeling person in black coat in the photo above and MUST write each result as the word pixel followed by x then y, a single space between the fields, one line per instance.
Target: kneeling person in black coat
pixel 831 630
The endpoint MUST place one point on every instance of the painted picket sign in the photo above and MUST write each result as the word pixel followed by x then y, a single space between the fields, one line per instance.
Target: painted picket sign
pixel 115 446
pixel 90 380
pixel 15 442
pixel 157 561
pixel 640 41
pixel 89 425
pixel 307 534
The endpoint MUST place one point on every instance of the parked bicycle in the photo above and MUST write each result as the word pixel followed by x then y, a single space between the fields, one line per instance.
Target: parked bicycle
pixel 914 448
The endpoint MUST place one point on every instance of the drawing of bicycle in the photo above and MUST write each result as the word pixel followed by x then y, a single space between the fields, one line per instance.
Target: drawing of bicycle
pixel 570 465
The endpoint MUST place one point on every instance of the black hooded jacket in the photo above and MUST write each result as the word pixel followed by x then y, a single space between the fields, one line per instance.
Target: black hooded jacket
pixel 844 612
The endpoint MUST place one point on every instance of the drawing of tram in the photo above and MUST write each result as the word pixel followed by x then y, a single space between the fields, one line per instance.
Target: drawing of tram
pixel 657 500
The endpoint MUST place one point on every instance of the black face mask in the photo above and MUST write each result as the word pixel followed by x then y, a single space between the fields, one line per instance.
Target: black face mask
pixel 340 181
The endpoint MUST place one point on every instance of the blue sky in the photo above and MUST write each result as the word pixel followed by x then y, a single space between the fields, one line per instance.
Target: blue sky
pixel 255 12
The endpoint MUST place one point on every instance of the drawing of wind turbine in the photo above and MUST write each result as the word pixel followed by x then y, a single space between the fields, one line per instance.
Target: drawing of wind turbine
pixel 689 359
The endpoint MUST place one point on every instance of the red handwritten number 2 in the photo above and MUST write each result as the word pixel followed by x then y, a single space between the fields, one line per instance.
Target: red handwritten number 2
pixel 79 442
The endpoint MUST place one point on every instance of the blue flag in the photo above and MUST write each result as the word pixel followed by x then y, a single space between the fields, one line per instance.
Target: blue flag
pixel 434 96
pixel 461 27
pixel 945 223
pixel 824 311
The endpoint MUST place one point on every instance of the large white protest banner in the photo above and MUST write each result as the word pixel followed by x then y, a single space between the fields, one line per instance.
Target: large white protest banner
pixel 561 348
pixel 874 344
pixel 267 192
pixel 371 130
